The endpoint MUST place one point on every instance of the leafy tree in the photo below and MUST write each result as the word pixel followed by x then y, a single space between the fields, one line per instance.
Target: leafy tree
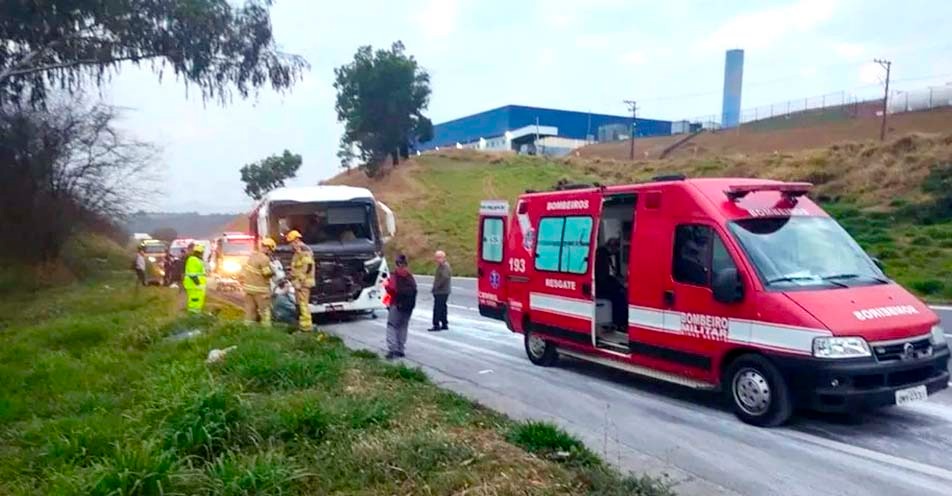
pixel 211 44
pixel 265 175
pixel 65 167
pixel 166 234
pixel 380 99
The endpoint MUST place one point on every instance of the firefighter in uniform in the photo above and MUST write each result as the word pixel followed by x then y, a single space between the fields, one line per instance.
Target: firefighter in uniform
pixel 194 280
pixel 256 279
pixel 302 278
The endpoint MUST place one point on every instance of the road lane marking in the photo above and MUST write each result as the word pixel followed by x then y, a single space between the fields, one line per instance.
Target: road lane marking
pixel 876 456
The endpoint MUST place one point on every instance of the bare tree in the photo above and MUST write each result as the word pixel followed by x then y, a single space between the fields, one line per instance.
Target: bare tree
pixel 64 167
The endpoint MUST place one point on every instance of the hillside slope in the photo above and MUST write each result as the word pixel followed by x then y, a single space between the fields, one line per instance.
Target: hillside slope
pixel 744 140
pixel 889 196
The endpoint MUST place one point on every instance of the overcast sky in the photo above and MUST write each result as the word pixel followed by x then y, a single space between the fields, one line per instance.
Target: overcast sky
pixel 585 55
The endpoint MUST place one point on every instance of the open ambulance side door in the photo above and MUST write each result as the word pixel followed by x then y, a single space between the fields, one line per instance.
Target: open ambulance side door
pixel 491 258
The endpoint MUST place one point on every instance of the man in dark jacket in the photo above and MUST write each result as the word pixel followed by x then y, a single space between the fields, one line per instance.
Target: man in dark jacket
pixel 402 289
pixel 442 284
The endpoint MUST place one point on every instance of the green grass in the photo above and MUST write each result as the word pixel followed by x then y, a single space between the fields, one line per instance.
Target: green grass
pixel 455 186
pixel 94 399
pixel 916 255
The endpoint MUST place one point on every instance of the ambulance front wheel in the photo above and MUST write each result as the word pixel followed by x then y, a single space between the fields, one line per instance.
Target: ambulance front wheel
pixel 540 351
pixel 758 392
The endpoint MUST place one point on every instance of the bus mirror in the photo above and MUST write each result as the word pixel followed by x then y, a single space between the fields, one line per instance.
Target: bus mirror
pixel 727 286
pixel 389 222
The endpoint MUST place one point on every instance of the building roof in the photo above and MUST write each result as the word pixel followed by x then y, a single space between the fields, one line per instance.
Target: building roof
pixel 570 124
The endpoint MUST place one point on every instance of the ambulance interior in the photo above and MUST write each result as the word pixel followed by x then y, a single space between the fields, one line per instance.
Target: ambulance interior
pixel 611 271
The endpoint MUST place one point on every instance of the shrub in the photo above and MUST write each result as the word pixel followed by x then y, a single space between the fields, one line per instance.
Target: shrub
pixel 402 372
pixel 206 423
pixel 263 473
pixel 928 286
pixel 547 440
pixel 364 354
pixel 141 469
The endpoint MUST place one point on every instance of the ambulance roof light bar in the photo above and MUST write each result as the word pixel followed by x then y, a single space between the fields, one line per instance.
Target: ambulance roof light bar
pixel 789 191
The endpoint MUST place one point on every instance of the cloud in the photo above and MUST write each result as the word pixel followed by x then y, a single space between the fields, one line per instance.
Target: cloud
pixel 438 19
pixel 634 57
pixel 564 13
pixel 849 50
pixel 871 73
pixel 764 28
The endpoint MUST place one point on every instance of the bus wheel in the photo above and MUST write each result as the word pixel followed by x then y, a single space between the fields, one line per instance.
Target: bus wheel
pixel 758 392
pixel 540 351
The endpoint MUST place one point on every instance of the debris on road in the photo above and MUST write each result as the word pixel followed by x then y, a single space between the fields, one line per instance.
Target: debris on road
pixel 217 355
pixel 187 334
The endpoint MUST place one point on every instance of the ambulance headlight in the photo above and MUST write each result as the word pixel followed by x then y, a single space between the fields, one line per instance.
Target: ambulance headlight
pixel 938 336
pixel 231 267
pixel 840 347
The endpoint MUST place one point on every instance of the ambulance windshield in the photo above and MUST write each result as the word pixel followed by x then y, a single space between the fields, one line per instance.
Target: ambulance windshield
pixel 791 252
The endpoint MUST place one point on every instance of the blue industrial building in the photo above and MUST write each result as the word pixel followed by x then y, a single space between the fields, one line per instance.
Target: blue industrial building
pixel 514 127
pixel 733 81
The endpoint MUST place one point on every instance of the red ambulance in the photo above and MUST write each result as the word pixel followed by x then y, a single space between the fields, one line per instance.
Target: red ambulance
pixel 739 285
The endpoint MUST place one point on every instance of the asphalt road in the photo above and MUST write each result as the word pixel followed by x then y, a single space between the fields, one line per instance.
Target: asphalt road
pixel 650 427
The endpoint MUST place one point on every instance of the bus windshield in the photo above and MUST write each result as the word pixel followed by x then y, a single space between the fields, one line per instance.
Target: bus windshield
pixel 322 223
pixel 153 248
pixel 237 247
pixel 793 252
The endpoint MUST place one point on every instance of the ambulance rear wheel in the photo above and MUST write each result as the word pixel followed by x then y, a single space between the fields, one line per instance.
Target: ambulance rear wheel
pixel 758 392
pixel 540 351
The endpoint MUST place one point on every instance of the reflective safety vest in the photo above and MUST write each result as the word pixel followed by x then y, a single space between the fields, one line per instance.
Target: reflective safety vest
pixel 194 268
pixel 256 274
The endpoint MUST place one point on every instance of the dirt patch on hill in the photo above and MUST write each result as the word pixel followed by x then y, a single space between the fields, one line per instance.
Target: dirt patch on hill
pixel 745 141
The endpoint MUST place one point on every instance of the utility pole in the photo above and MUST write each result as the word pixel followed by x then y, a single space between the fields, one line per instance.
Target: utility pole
pixel 634 112
pixel 885 64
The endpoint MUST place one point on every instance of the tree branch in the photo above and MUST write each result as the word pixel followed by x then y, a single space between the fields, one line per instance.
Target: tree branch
pixel 76 63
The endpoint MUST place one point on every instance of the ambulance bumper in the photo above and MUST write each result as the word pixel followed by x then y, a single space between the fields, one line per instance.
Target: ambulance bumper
pixel 855 385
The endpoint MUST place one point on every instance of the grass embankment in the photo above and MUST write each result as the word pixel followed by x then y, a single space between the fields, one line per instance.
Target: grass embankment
pixel 894 198
pixel 96 399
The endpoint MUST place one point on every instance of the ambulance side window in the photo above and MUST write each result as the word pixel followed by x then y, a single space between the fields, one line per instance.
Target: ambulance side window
pixel 492 239
pixel 563 244
pixel 576 244
pixel 549 243
pixel 698 252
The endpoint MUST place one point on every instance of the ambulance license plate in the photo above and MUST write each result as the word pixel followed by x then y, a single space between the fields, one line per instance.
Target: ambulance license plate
pixel 911 395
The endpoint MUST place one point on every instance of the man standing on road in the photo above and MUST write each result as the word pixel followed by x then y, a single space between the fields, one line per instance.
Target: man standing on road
pixel 256 279
pixel 442 284
pixel 302 278
pixel 403 291
pixel 140 265
pixel 194 280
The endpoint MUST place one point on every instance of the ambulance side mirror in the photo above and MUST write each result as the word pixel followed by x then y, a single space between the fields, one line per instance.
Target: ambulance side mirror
pixel 727 286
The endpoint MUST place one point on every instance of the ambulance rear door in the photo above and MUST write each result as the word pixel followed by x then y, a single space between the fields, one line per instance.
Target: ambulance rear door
pixel 561 297
pixel 491 258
